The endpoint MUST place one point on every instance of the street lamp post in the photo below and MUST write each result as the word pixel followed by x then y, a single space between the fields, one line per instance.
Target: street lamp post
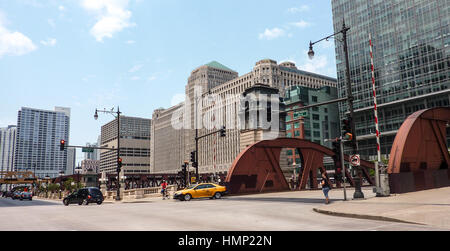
pixel 60 183
pixel 358 193
pixel 117 116
pixel 196 134
pixel 78 170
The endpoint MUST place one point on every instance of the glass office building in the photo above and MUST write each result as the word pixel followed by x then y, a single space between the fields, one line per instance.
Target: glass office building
pixel 411 41
pixel 38 141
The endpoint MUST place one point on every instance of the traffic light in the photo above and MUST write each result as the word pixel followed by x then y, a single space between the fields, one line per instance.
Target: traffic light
pixel 222 132
pixel 119 163
pixel 62 144
pixel 337 160
pixel 193 156
pixel 183 173
pixel 347 133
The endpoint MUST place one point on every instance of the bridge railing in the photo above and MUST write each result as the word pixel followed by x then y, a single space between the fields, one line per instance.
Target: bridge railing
pixel 139 193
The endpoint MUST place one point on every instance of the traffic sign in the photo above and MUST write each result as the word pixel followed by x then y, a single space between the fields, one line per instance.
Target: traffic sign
pixel 355 160
pixel 87 150
pixel 301 113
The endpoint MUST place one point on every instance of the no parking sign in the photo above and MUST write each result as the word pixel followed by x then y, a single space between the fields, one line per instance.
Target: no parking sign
pixel 355 160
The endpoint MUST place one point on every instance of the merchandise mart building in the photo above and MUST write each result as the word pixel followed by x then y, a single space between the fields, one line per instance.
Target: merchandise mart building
pixel 411 46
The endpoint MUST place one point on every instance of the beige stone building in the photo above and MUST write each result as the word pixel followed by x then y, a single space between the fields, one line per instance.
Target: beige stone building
pixel 216 153
pixel 167 144
pixel 90 166
pixel 134 145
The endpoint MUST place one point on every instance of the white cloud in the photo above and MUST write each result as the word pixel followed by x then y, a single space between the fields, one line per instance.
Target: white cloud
pixel 134 78
pixel 135 68
pixel 130 42
pixel 13 43
pixel 61 8
pixel 112 16
pixel 314 65
pixel 301 24
pixel 302 8
pixel 320 64
pixel 151 78
pixel 270 34
pixel 49 42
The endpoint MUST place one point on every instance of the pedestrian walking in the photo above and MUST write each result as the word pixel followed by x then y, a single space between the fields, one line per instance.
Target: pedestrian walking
pixel 325 187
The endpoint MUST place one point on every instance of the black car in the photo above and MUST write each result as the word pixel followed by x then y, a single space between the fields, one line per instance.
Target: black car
pixel 84 196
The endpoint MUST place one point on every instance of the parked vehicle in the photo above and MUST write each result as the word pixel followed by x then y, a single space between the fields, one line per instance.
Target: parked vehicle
pixel 26 196
pixel 7 194
pixel 16 195
pixel 84 196
pixel 202 190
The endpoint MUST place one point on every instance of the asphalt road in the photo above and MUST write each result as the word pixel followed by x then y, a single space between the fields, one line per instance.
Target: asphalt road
pixel 291 211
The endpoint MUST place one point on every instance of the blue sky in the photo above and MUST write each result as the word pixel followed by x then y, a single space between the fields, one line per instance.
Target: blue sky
pixel 138 54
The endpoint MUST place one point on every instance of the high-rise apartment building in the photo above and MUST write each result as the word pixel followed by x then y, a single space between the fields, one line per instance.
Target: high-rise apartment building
pixel 411 51
pixel 134 145
pixel 38 138
pixel 7 147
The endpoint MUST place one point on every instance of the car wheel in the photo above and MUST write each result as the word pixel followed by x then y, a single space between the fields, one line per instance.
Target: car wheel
pixel 187 197
pixel 80 202
pixel 66 202
pixel 99 202
pixel 217 195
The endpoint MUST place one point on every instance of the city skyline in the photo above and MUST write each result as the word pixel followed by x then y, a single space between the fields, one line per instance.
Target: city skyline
pixel 138 55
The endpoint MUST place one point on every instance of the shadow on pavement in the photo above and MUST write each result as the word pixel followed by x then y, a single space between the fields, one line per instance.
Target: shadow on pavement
pixel 8 202
pixel 269 199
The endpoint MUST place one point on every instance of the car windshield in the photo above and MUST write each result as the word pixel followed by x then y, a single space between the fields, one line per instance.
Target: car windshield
pixel 191 186
pixel 94 191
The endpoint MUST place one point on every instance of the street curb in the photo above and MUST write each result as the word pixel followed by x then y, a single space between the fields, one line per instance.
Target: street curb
pixel 364 217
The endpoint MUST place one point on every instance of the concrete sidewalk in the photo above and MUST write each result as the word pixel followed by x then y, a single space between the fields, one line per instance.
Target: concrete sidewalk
pixel 428 207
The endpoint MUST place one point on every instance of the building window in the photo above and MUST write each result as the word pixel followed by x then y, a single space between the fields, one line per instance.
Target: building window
pixel 314 98
pixel 316 117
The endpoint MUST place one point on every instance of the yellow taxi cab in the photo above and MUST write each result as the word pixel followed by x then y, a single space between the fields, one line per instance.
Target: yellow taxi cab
pixel 202 190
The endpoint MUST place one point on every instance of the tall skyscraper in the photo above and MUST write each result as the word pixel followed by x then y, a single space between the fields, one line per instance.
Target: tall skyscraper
pixel 71 159
pixel 411 60
pixel 38 138
pixel 7 147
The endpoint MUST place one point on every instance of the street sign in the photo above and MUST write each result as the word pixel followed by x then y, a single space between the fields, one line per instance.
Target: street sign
pixel 87 150
pixel 355 160
pixel 193 179
pixel 301 114
pixel 304 113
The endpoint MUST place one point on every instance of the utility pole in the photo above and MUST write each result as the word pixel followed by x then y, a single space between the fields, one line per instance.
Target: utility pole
pixel 358 193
